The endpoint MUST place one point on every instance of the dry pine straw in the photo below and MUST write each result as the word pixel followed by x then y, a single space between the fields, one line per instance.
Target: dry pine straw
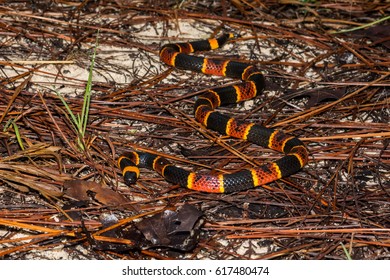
pixel 330 90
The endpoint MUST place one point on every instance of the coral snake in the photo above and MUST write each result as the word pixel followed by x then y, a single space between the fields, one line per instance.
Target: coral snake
pixel 296 154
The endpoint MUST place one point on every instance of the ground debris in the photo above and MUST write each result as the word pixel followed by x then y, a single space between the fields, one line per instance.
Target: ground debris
pixel 327 87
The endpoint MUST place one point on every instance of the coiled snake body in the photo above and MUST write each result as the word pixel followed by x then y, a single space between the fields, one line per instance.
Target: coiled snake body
pixel 296 154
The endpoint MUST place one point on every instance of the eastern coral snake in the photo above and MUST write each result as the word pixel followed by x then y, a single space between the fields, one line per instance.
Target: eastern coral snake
pixel 296 154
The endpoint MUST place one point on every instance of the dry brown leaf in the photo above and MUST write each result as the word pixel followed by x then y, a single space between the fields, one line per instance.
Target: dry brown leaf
pixel 84 190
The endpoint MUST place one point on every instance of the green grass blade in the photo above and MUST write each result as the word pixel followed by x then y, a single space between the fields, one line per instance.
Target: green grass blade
pixel 73 117
pixel 16 130
pixel 80 121
pixel 17 133
pixel 87 94
pixel 346 252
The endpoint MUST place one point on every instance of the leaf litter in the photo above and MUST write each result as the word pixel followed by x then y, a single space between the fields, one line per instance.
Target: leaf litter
pixel 330 89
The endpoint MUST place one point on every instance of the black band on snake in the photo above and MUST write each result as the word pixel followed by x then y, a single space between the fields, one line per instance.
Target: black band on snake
pixel 296 154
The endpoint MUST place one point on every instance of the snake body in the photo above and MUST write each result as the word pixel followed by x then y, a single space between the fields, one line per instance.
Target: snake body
pixel 296 154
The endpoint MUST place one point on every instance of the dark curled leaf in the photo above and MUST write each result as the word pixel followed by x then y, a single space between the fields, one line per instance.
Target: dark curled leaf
pixel 176 229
